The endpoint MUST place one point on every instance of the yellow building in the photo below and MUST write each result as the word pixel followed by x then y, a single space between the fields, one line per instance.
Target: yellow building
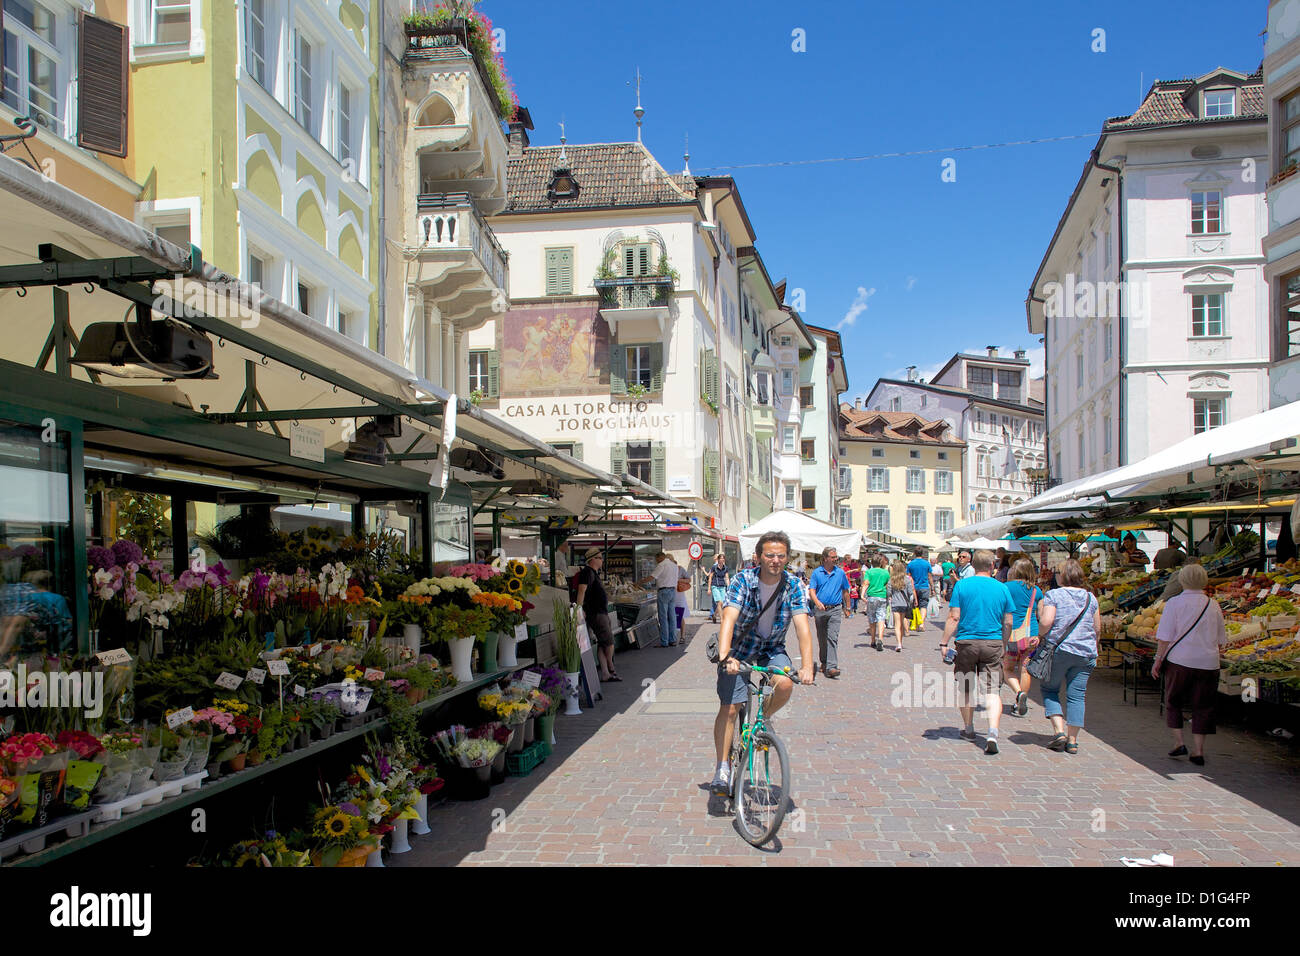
pixel 903 474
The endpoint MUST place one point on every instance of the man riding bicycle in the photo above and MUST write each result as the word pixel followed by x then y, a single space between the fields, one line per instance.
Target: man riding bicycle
pixel 761 602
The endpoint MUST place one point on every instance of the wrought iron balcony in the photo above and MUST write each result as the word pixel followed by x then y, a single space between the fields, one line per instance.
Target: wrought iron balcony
pixel 634 292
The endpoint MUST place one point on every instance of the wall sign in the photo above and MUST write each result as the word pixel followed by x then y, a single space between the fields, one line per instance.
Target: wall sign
pixel 306 442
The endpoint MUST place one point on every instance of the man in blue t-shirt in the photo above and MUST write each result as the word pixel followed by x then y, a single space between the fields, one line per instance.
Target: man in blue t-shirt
pixel 827 588
pixel 919 570
pixel 980 617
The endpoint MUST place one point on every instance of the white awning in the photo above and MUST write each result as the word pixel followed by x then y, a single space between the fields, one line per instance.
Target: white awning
pixel 806 533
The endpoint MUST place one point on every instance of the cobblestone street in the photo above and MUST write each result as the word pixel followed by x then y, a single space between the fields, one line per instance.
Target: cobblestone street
pixel 876 784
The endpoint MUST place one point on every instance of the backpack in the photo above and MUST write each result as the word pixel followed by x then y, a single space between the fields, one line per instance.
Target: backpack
pixel 573 585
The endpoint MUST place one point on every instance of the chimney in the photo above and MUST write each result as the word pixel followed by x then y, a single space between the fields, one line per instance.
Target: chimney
pixel 857 403
pixel 518 138
pixel 1020 353
pixel 993 351
pixel 911 373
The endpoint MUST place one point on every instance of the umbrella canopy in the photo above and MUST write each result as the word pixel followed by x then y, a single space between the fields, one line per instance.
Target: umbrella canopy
pixel 806 533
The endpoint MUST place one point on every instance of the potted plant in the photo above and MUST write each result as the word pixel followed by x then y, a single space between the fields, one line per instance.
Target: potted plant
pixel 568 653
pixel 459 19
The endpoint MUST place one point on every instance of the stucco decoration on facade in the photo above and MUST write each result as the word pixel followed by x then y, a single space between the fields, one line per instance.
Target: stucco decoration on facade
pixel 553 349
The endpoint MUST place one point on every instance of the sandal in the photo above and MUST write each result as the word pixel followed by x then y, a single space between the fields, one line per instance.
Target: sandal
pixel 1058 742
pixel 1179 751
pixel 1072 748
pixel 613 677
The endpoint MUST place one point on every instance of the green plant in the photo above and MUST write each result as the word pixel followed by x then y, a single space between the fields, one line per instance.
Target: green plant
pixel 476 397
pixel 566 637
pixel 144 519
pixel 667 271
pixel 478 32
pixel 712 405
pixel 637 390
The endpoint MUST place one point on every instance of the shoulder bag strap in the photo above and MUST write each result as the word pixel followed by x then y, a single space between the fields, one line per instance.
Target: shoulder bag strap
pixel 1033 598
pixel 1208 599
pixel 1086 605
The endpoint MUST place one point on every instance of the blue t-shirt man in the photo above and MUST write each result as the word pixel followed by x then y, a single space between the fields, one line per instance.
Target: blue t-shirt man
pixel 919 569
pixel 983 602
pixel 829 586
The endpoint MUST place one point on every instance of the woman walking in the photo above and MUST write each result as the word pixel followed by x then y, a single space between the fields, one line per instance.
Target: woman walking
pixel 902 598
pixel 1026 596
pixel 1069 620
pixel 1189 642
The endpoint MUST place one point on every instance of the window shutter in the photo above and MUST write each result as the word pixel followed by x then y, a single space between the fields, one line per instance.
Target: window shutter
pixel 552 271
pixel 659 466
pixel 494 374
pixel 886 519
pixel 656 366
pixel 566 272
pixel 577 450
pixel 629 261
pixel 711 376
pixel 617 369
pixel 102 85
pixel 617 458
pixel 643 260
pixel 711 474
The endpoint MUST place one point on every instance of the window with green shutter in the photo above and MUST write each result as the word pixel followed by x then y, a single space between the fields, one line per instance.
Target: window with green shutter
pixel 617 369
pixel 638 260
pixel 494 374
pixel 559 271
pixel 618 458
pixel 659 465
pixel 711 474
pixel 709 367
pixel 636 364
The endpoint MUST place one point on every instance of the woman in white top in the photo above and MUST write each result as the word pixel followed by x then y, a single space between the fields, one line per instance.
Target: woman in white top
pixel 1189 639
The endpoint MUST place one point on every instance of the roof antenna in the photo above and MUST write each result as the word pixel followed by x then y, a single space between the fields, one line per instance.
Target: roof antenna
pixel 1141 85
pixel 638 112
pixel 564 159
pixel 686 157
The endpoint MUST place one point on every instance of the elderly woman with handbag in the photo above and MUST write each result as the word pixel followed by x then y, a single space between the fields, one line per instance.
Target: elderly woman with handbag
pixel 1069 620
pixel 1025 595
pixel 1189 642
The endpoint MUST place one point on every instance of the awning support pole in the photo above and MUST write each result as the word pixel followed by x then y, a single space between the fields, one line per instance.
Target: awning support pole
pixel 358 520
pixel 251 400
pixel 180 534
pixel 496 528
pixel 426 533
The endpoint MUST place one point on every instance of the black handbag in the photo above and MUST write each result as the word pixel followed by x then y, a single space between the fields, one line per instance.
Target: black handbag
pixel 711 648
pixel 1040 665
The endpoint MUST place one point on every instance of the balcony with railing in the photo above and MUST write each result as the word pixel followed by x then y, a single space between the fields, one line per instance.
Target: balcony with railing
pixel 461 264
pixel 628 298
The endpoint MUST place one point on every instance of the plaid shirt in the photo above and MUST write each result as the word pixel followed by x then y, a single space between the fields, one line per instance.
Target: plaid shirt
pixel 744 594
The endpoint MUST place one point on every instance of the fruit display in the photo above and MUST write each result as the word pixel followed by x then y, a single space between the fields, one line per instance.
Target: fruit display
pixel 1146 622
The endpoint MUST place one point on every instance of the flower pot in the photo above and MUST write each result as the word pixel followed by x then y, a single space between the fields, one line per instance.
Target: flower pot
pixel 400 842
pixel 255 758
pixel 461 649
pixel 516 742
pixel 304 739
pixel 499 768
pixel 420 826
pixel 546 732
pixel 214 770
pixel 413 695
pixel 290 746
pixel 483 773
pixel 490 652
pixel 506 651
pixel 236 763
pixel 412 635
pixel 529 731
pixel 375 858
pixel 351 858
pixel 571 708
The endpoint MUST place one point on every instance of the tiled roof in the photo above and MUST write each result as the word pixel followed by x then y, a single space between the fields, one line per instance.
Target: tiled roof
pixel 608 174
pixel 1168 103
pixel 1038 390
pixel 892 426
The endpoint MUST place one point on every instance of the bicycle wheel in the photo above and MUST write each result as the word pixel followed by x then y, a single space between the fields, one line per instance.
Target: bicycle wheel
pixel 762 789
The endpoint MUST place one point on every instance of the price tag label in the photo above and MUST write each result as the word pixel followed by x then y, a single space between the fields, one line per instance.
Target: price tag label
pixel 1295 589
pixel 1277 587
pixel 277 668
pixel 373 674
pixel 117 655
pixel 1263 593
pixel 314 649
pixel 256 675
pixel 521 632
pixel 532 679
pixel 229 681
pixel 299 690
pixel 182 716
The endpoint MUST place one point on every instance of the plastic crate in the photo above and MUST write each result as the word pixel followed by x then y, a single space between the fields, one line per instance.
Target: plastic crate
pixel 1273 691
pixel 526 761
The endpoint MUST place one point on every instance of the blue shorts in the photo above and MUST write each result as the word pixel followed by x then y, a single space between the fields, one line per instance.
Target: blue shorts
pixel 734 688
pixel 877 612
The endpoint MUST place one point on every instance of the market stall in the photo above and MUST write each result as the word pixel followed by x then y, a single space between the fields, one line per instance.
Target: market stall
pixel 180 664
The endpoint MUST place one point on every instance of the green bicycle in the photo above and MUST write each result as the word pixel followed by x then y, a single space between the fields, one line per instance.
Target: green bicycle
pixel 760 765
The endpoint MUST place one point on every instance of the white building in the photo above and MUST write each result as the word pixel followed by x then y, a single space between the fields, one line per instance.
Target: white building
pixel 822 379
pixel 1151 294
pixel 992 406
pixel 1282 244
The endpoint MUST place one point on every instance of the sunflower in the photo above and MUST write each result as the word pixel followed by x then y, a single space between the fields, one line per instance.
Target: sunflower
pixel 517 568
pixel 337 824
pixel 514 585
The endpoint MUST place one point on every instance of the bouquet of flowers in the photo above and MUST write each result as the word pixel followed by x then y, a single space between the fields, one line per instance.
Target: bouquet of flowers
pixel 340 830
pixel 273 850
pixel 552 687
pixel 39 767
pixel 84 770
pixel 476 752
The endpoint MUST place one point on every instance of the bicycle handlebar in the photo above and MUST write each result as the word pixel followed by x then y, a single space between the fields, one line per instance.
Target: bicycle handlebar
pixel 782 671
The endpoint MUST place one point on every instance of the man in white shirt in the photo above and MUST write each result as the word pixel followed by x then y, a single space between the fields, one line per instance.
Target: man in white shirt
pixel 664 578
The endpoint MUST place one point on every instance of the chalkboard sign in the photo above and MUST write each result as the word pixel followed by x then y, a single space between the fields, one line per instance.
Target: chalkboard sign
pixel 588 662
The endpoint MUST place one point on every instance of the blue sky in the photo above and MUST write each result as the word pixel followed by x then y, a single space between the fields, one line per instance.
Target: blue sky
pixel 939 266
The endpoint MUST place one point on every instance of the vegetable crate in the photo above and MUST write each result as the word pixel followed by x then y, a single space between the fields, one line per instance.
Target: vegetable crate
pixel 1278 691
pixel 526 761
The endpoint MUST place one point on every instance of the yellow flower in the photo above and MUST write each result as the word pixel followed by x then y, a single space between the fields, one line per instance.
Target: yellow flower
pixel 517 568
pixel 338 823
pixel 515 585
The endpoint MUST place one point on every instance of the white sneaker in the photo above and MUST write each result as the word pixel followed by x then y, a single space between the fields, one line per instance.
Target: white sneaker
pixel 721 784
